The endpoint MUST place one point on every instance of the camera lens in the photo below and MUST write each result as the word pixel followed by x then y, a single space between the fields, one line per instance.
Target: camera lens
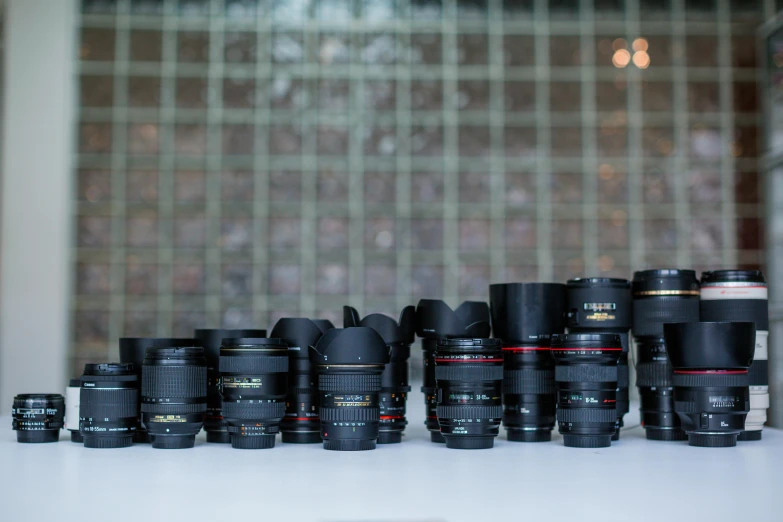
pixel 656 391
pixel 72 409
pixel 394 379
pixel 468 375
pixel 711 395
pixel 349 362
pixel 663 296
pixel 434 319
pixel 301 424
pixel 38 417
pixel 586 377
pixel 109 405
pixel 210 340
pixel 524 317
pixel 741 295
pixel 174 395
pixel 254 376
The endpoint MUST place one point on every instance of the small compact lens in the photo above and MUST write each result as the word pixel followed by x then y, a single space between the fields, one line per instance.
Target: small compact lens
pixel 174 395
pixel 468 374
pixel 711 382
pixel 434 319
pixel 586 376
pixel 656 391
pixel 38 417
pixel 72 393
pixel 109 405
pixel 524 317
pixel 349 362
pixel 741 295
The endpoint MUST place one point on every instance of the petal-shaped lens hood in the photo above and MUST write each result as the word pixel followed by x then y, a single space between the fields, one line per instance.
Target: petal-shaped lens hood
pixel 299 332
pixel 434 319
pixel 390 330
pixel 710 346
pixel 324 324
pixel 360 346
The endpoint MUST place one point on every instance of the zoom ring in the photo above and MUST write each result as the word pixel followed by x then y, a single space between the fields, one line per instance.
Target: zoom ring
pixel 582 415
pixel 622 375
pixel 300 391
pixel 174 381
pixel 469 372
pixel 585 373
pixel 695 380
pixel 100 403
pixel 349 414
pixel 649 375
pixel 174 409
pixel 758 373
pixel 256 410
pixel 750 310
pixel 532 381
pixel 649 314
pixel 355 383
pixel 470 412
pixel 258 364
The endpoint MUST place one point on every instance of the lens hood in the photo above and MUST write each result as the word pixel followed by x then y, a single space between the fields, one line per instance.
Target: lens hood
pixel 212 338
pixel 350 346
pixel 527 312
pixel 133 349
pixel 435 319
pixel 323 324
pixel 732 276
pixel 710 346
pixel 391 331
pixel 299 333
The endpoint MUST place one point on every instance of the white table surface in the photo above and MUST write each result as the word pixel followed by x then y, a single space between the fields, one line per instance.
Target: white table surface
pixel 634 480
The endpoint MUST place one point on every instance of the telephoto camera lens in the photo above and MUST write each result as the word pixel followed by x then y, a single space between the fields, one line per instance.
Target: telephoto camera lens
pixel 656 391
pixel 38 417
pixel 174 395
pixel 72 393
pixel 603 305
pixel 586 376
pixel 349 362
pixel 301 424
pixel 524 317
pixel 398 336
pixel 108 405
pixel 468 376
pixel 210 340
pixel 741 295
pixel 434 319
pixel 711 382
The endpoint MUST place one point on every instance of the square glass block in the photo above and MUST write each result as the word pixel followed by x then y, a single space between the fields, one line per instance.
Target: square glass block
pixel 285 139
pixel 380 187
pixel 748 187
pixel 238 139
pixel 427 187
pixel 193 47
pixel 566 187
pixel 141 186
pixel 188 279
pixel 565 51
pixel 190 186
pixel 520 233
pixel 332 186
pixel 94 185
pixel 661 50
pixel 285 233
pixel 566 141
pixel 380 140
pixel 183 322
pixel 703 97
pixel 380 95
pixel 472 49
pixel 143 139
pixel 140 323
pixel 190 139
pixel 612 140
pixel 287 92
pixel 426 234
pixel 333 233
pixel 701 50
pixel 472 10
pixel 567 233
pixel 750 234
pixel 658 141
pixel 474 234
pixel 474 140
pixel 284 279
pixel 611 96
pixel 519 50
pixel 236 233
pixel 706 235
pixel 236 279
pixel 190 231
pixel 519 96
pixel 285 186
pixel 660 234
pixel 746 97
pixel 705 186
pixel 657 186
pixel 239 93
pixel 426 49
pixel 93 231
pixel 142 230
pixel 427 281
pixel 379 49
pixel 191 93
pixel 141 278
pixel 474 187
pixel 237 186
pixel 91 326
pixel 380 279
pixel 426 140
pixel 473 281
pixel 334 48
pixel 146 45
pixel 612 185
pixel 379 234
pixel 743 51
pixel 565 96
pixel 332 279
pixel 613 233
pixel 96 91
pixel 334 94
pixel 93 278
pixel 472 95
pixel 143 91
pixel 657 96
pixel 706 142
pixel 95 138
pixel 520 142
pixel 240 47
pixel 97 45
pixel 287 47
pixel 426 95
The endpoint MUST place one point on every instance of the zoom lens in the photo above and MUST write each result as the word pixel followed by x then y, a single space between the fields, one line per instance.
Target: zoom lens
pixel 711 395
pixel 349 362
pixel 524 317
pixel 38 417
pixel 210 340
pixel 108 405
pixel 434 319
pixel 254 376
pixel 663 296
pixel 174 395
pixel 72 393
pixel 301 424
pixel 468 375
pixel 586 376
pixel 741 295
pixel 656 391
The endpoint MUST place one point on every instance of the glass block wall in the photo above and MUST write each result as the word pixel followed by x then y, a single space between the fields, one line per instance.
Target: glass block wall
pixel 242 160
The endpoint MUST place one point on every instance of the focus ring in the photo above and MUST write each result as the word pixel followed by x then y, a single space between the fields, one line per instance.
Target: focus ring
pixel 654 375
pixel 256 410
pixel 349 414
pixel 174 409
pixel 254 365
pixel 536 382
pixel 758 373
pixel 174 381
pixel 751 310
pixel 697 380
pixel 586 415
pixel 622 375
pixel 585 373
pixel 100 403
pixel 355 383
pixel 470 412
pixel 469 372
pixel 650 313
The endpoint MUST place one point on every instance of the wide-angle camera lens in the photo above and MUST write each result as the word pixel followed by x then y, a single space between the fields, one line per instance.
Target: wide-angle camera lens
pixel 174 395
pixel 301 423
pixel 349 362
pixel 468 376
pixel 586 376
pixel 398 336
pixel 109 405
pixel 434 319
pixel 210 340
pixel 711 395
pixel 741 295
pixel 524 317
pixel 72 393
pixel 254 380
pixel 38 417
pixel 656 391
pixel 603 305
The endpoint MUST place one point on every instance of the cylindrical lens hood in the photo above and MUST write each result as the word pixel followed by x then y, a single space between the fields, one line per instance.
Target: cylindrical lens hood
pixel 435 319
pixel 710 346
pixel 38 417
pixel 527 312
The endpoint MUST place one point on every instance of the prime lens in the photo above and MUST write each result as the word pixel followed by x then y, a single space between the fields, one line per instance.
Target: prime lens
pixel 38 417
pixel 72 393
pixel 108 405
pixel 656 391
pixel 663 296
pixel 174 395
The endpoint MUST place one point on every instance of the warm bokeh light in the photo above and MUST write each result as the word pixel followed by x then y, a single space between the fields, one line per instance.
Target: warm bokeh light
pixel 640 44
pixel 621 58
pixel 606 171
pixel 641 59
pixel 619 43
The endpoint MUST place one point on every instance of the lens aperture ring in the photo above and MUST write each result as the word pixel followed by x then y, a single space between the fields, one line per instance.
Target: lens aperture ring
pixel 350 414
pixel 758 373
pixel 650 375
pixel 357 383
pixel 470 412
pixel 585 373
pixel 469 372
pixel 529 380
pixel 706 380
pixel 253 410
pixel 584 415
pixel 253 365
pixel 174 381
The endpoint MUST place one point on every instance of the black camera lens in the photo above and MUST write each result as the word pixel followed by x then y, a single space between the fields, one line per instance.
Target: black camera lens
pixel 349 362
pixel 398 336
pixel 301 424
pixel 174 395
pixel 133 350
pixel 586 376
pixel 524 317
pixel 109 405
pixel 434 319
pixel 210 340
pixel 711 395
pixel 741 295
pixel 663 296
pixel 254 380
pixel 38 417
pixel 656 391
pixel 72 393
pixel 468 375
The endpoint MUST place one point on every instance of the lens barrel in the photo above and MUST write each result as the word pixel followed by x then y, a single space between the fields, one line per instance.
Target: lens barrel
pixel 174 395
pixel 108 405
pixel 72 393
pixel 38 417
pixel 468 374
pixel 656 392
pixel 586 377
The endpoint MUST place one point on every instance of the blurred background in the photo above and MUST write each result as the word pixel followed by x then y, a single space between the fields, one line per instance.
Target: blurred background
pixel 175 164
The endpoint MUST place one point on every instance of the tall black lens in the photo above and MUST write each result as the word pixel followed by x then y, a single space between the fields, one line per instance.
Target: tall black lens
pixel 174 395
pixel 656 391
pixel 586 376
pixel 301 424
pixel 108 405
pixel 711 384
pixel 210 340
pixel 468 375
pixel 524 317
pixel 72 393
pixel 741 295
pixel 254 375
pixel 434 319
pixel 38 417
pixel 349 362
